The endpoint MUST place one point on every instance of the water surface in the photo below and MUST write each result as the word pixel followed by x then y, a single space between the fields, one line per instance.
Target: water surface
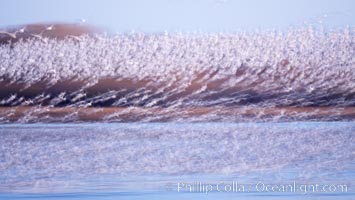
pixel 150 160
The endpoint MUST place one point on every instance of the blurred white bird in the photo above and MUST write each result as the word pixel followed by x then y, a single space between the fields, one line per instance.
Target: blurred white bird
pixel 80 21
pixel 21 30
pixel 77 38
pixel 49 28
pixel 13 35
pixel 39 36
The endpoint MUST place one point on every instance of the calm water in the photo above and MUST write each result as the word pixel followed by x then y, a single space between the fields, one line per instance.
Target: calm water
pixel 177 160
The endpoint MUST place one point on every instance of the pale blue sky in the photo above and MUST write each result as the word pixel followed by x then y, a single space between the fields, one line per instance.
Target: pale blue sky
pixel 184 15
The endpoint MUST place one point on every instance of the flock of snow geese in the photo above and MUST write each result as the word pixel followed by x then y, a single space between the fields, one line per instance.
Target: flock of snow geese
pixel 304 67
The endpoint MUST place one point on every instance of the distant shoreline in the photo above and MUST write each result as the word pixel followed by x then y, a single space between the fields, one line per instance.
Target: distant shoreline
pixel 131 114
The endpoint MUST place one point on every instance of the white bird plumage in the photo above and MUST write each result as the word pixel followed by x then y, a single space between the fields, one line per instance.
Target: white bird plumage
pixel 50 28
pixel 13 35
